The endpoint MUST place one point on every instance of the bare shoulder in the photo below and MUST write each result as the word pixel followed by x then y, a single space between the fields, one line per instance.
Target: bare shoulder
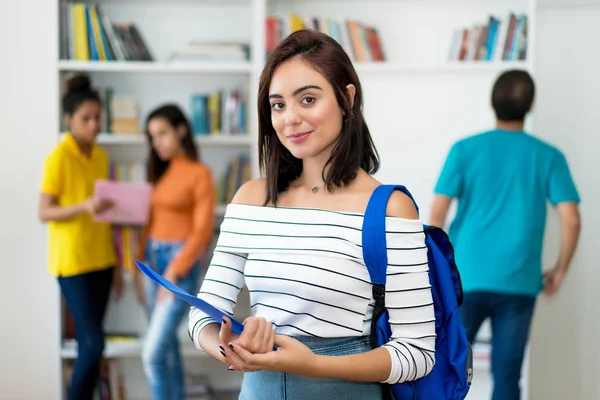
pixel 401 206
pixel 252 192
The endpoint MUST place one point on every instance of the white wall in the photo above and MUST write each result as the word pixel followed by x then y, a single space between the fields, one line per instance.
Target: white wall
pixel 29 335
pixel 565 347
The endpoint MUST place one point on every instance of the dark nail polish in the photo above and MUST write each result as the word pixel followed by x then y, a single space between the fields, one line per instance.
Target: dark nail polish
pixel 222 353
pixel 231 346
pixel 221 347
pixel 224 321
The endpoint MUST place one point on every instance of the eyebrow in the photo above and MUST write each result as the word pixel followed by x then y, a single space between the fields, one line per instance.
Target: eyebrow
pixel 299 90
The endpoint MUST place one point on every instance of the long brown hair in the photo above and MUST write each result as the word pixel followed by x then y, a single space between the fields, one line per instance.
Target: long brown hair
pixel 155 166
pixel 354 148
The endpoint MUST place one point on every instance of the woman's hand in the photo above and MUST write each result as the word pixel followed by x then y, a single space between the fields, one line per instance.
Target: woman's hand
pixel 95 206
pixel 291 357
pixel 258 336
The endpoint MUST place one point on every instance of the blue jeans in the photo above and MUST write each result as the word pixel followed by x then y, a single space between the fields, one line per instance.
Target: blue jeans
pixel 511 318
pixel 269 385
pixel 87 296
pixel 161 354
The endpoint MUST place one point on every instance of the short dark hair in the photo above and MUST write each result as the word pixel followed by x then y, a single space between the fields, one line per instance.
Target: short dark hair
pixel 79 90
pixel 354 148
pixel 512 95
pixel 155 166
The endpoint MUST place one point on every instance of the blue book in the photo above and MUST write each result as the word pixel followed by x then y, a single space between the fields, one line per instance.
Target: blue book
pixel 199 112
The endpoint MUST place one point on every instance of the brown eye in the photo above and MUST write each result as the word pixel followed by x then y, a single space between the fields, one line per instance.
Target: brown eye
pixel 308 100
pixel 277 106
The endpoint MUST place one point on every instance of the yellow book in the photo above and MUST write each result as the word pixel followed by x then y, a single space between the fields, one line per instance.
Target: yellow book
pixel 296 22
pixel 214 111
pixel 97 33
pixel 80 33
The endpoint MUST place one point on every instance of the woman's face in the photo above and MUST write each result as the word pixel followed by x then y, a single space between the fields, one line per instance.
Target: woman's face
pixel 166 139
pixel 304 110
pixel 84 124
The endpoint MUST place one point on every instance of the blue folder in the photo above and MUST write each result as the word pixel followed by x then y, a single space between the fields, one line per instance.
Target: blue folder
pixel 209 309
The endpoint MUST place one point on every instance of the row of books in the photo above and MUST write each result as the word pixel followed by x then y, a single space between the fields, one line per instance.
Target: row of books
pixel 237 173
pixel 361 42
pixel 223 111
pixel 220 112
pixel 496 40
pixel 89 34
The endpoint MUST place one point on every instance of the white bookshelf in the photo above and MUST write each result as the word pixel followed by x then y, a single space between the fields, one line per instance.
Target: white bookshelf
pixel 417 102
pixel 217 140
pixel 155 66
pixel 124 349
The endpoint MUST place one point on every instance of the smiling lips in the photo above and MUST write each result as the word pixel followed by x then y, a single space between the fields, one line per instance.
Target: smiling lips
pixel 299 137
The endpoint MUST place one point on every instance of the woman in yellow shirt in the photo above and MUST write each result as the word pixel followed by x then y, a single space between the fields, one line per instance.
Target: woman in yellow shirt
pixel 81 251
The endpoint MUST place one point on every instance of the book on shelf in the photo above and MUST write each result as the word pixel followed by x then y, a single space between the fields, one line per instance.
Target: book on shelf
pixel 214 51
pixel 122 115
pixel 360 41
pixel 88 34
pixel 237 173
pixel 221 112
pixel 495 40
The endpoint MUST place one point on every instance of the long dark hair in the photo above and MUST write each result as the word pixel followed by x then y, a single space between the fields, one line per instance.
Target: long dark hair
pixel 354 148
pixel 156 167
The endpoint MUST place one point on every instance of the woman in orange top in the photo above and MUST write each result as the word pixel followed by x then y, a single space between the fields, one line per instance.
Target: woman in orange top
pixel 179 230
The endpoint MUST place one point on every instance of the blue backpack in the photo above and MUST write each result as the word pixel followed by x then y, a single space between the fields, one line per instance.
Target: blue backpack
pixel 450 378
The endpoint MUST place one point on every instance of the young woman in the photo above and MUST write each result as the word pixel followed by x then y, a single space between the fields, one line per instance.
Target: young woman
pixel 179 231
pixel 294 238
pixel 81 251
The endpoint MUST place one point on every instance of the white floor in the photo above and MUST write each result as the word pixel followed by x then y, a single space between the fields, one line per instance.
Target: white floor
pixel 481 388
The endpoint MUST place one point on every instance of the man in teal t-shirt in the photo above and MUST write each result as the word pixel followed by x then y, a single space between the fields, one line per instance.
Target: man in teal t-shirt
pixel 503 180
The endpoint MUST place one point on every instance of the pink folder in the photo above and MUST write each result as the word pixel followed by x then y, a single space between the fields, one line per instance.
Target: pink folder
pixel 131 202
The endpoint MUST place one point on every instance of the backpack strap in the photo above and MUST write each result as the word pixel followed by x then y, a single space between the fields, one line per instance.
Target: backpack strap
pixel 374 243
pixel 374 246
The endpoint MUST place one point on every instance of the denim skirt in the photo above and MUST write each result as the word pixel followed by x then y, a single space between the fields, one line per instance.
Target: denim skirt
pixel 270 385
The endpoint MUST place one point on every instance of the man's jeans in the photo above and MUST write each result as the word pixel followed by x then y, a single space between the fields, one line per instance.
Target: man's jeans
pixel 161 354
pixel 511 318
